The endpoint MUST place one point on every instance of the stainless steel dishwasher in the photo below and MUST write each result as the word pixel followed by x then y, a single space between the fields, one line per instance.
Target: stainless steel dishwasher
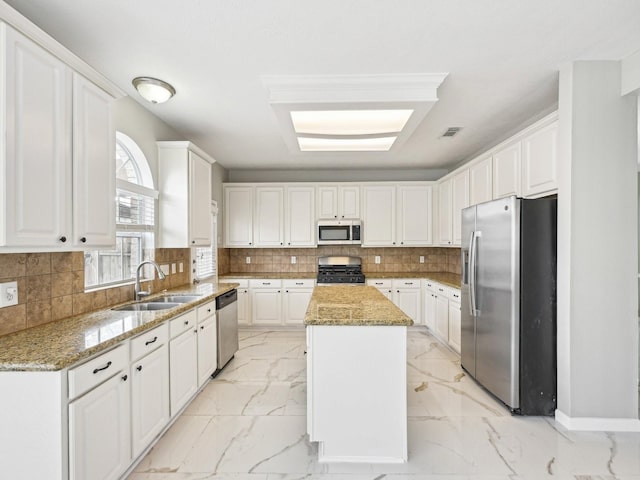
pixel 227 310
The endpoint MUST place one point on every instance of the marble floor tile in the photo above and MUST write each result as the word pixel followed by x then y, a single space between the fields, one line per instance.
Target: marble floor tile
pixel 249 423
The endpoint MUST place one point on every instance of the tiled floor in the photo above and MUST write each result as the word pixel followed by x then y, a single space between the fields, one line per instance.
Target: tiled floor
pixel 249 424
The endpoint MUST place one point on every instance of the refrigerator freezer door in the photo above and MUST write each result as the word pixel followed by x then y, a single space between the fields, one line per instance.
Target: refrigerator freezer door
pixel 497 298
pixel 468 328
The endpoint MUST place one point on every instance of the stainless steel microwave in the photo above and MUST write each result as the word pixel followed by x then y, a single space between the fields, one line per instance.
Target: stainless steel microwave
pixel 339 232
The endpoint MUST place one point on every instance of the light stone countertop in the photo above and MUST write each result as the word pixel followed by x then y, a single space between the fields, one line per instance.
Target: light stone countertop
pixel 353 305
pixel 269 275
pixel 60 344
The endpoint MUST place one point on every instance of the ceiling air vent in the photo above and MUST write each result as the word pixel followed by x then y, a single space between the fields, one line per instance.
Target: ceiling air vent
pixel 450 132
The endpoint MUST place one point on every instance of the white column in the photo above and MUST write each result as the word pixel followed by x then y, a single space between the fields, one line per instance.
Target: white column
pixel 597 250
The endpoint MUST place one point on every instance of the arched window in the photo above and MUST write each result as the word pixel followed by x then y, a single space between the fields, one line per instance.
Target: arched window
pixel 135 220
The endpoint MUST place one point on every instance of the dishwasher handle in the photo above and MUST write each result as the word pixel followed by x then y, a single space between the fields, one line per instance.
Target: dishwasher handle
pixel 226 299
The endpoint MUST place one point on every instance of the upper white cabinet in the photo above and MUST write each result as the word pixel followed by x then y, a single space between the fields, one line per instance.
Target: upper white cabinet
pixel 445 217
pixel 57 159
pixel 539 161
pixel 184 173
pixel 299 217
pixel 506 171
pixel 459 200
pixel 268 229
pixel 238 215
pixel 338 202
pixel 379 215
pixel 480 180
pixel 414 220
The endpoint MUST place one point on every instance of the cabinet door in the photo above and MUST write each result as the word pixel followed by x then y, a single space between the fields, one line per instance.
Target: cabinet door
pixel 36 163
pixel 506 171
pixel 539 161
pixel 349 201
pixel 408 300
pixel 199 201
pixel 268 228
pixel 379 215
pixel 414 215
pixel 238 215
pixel 442 317
pixel 207 349
pixel 266 304
pixel 99 431
pixel 454 325
pixel 430 310
pixel 300 220
pixel 480 182
pixel 94 175
pixel 183 369
pixel 244 309
pixel 328 202
pixel 445 217
pixel 149 398
pixel 460 200
pixel 296 302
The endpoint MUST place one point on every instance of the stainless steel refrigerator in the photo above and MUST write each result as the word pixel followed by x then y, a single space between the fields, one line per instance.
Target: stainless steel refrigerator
pixel 509 301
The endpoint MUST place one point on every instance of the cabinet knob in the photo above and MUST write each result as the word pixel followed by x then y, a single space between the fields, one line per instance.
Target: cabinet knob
pixel 394 243
pixel 63 239
pixel 288 243
pixel 281 243
pixel 342 216
pixel 124 378
pixel 335 216
pixel 193 241
pixel 278 291
pixel 195 331
pixel 401 243
pixel 139 368
pixel 208 310
pixel 186 322
pixel 202 327
pixel 286 291
pixel 83 239
pixel 249 243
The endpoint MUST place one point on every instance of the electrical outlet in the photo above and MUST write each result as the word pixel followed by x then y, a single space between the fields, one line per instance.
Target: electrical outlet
pixel 247 260
pixel 180 267
pixel 8 294
pixel 165 269
pixel 377 259
pixel 173 268
pixel 293 260
pixel 421 258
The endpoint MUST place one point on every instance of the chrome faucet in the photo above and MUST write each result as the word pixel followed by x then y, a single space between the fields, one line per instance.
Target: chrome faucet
pixel 140 294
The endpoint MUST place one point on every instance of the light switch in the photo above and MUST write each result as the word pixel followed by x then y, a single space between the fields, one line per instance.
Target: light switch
pixel 8 294
pixel 173 268
pixel 293 259
pixel 421 258
pixel 377 259
pixel 247 260
pixel 180 267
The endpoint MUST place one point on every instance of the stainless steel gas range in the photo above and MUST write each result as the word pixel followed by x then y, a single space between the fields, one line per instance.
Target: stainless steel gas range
pixel 340 271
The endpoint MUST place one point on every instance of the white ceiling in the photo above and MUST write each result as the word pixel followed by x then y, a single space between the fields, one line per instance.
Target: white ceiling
pixel 502 57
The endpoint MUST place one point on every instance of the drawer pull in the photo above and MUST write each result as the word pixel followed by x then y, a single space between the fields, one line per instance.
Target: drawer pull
pixel 186 322
pixel 378 283
pixel 103 368
pixel 151 341
pixel 456 295
pixel 266 283
pixel 139 368
pixel 408 283
pixel 299 283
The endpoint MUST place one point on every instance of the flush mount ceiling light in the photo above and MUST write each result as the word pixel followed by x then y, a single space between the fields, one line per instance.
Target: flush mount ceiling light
pixel 153 90
pixel 350 113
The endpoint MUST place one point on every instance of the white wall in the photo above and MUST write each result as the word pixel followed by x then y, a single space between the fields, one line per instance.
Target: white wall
pixel 597 249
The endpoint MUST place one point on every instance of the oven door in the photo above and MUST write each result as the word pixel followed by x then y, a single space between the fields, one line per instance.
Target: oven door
pixel 334 234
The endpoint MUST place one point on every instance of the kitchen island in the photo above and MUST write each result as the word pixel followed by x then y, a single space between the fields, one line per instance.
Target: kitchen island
pixel 356 375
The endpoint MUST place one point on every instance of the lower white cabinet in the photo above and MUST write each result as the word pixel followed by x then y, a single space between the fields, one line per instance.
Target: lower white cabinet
pixel 244 300
pixel 99 431
pixel 266 302
pixel 442 317
pixel 430 296
pixel 407 295
pixel 296 298
pixel 383 285
pixel 454 325
pixel 207 342
pixel 149 398
pixel 183 361
pixel 274 302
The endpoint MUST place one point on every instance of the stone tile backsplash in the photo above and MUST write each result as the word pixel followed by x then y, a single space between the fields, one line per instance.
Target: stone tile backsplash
pixel 51 286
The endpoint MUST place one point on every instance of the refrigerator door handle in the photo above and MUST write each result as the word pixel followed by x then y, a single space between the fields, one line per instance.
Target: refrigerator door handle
pixel 473 253
pixel 466 274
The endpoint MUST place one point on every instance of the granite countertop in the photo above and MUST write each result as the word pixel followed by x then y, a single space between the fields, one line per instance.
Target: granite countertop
pixel 274 275
pixel 58 345
pixel 453 280
pixel 353 305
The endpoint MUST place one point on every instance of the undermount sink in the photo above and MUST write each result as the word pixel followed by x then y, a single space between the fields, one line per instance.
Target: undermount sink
pixel 146 306
pixel 177 298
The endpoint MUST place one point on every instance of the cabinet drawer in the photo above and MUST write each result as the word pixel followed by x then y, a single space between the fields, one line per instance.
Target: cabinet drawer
pixel 206 310
pixel 431 285
pixel 301 283
pixel 454 295
pixel 379 283
pixel 406 283
pixel 95 371
pixel 182 323
pixel 149 341
pixel 243 282
pixel 266 283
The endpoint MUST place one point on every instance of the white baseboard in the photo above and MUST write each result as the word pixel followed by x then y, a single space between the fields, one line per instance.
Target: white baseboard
pixel 598 424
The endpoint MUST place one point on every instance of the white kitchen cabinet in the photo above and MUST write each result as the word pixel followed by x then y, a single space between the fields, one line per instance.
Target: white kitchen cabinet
pixel 300 221
pixel 94 175
pixel 295 301
pixel 480 182
pixel 338 202
pixel 244 300
pixel 442 314
pixel 414 216
pixel 445 215
pixel 268 227
pixel 149 397
pixel 506 171
pixel 58 191
pixel 184 173
pixel 384 286
pixel 99 431
pixel 266 301
pixel 238 216
pixel 379 215
pixel 207 342
pixel 183 361
pixel 459 200
pixel 430 295
pixel 454 325
pixel 407 295
pixel 540 161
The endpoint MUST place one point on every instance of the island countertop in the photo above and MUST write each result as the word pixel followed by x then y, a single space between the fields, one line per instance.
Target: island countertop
pixel 353 305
